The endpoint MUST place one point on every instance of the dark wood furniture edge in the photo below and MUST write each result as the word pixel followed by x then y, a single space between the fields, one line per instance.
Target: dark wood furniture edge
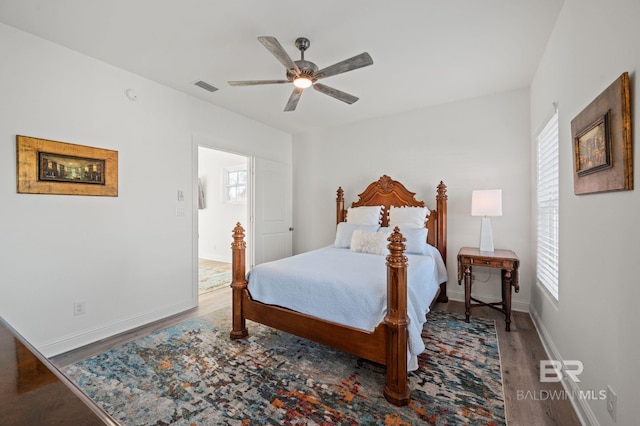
pixel 99 412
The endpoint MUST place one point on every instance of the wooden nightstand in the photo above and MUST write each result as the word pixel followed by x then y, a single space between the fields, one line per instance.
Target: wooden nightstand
pixel 505 260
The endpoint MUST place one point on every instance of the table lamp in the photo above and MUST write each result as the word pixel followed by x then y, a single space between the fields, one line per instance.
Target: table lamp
pixel 486 203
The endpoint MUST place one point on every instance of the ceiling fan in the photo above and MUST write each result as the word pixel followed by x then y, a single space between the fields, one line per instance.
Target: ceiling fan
pixel 304 73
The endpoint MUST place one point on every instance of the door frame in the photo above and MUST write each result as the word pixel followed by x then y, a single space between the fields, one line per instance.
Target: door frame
pixel 249 227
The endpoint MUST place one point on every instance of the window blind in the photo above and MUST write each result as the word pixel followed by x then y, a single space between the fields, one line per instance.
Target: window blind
pixel 547 204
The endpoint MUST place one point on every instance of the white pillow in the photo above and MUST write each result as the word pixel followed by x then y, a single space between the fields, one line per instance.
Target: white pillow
pixel 408 217
pixel 365 215
pixel 345 230
pixel 370 242
pixel 416 239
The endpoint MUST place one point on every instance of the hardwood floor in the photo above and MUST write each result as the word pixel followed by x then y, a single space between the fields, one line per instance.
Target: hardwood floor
pixel 526 399
pixel 214 264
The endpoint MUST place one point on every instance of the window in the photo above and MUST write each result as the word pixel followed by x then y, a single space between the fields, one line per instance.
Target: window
pixel 547 207
pixel 236 186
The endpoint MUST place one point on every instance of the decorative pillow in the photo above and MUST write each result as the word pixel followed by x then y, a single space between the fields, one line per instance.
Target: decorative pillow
pixel 416 239
pixel 370 242
pixel 365 215
pixel 345 230
pixel 408 217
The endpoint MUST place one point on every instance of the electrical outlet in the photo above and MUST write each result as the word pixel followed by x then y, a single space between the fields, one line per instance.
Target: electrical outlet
pixel 79 308
pixel 612 402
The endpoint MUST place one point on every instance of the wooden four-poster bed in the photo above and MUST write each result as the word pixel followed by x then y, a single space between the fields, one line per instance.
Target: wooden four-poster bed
pixel 387 344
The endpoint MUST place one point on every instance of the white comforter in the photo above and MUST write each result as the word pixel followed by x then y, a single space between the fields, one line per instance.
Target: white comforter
pixel 349 288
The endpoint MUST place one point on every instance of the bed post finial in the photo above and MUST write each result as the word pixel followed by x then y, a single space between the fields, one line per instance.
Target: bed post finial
pixel 397 389
pixel 238 282
pixel 396 248
pixel 238 237
pixel 340 206
pixel 442 191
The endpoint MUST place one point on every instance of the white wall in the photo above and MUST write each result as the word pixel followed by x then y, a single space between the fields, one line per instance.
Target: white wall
pixel 129 258
pixel 218 218
pixel 480 143
pixel 595 320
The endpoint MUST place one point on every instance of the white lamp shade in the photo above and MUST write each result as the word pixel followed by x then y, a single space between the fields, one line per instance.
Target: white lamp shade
pixel 486 202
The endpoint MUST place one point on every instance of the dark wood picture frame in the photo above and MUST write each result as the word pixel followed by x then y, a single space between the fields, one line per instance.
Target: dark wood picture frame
pixel 51 167
pixel 602 142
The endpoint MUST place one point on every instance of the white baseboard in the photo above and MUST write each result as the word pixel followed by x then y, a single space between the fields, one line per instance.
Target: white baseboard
pixel 68 343
pixel 515 305
pixel 583 410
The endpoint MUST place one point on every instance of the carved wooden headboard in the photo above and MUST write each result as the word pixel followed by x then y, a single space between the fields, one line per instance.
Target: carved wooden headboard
pixel 388 192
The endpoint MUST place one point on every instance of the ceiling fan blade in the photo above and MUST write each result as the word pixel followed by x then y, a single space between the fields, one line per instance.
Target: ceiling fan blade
pixel 358 61
pixel 293 99
pixel 278 51
pixel 256 82
pixel 338 94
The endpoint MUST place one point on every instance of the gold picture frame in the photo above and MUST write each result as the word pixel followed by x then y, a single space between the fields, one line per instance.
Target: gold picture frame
pixel 52 167
pixel 602 142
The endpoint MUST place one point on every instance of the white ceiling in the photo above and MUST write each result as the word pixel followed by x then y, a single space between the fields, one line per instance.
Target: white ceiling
pixel 425 52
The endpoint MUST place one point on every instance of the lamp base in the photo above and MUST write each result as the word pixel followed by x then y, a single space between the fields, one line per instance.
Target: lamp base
pixel 486 236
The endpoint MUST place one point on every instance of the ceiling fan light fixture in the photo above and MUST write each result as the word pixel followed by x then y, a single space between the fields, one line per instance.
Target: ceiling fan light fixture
pixel 304 74
pixel 302 82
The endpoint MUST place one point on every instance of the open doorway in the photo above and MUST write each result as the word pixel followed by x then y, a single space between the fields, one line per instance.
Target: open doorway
pixel 223 200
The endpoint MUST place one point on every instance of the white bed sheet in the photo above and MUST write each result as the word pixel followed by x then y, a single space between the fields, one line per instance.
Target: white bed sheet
pixel 349 288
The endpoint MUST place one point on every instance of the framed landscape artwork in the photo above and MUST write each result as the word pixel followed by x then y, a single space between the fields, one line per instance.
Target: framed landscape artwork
pixel 602 143
pixel 50 167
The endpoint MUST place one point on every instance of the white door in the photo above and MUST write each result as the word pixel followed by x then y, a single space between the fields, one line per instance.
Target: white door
pixel 272 210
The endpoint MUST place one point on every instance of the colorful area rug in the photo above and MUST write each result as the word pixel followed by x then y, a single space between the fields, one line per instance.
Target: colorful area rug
pixel 212 279
pixel 193 374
